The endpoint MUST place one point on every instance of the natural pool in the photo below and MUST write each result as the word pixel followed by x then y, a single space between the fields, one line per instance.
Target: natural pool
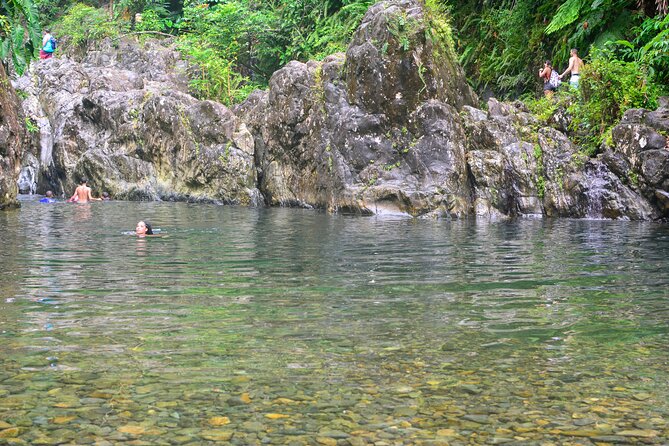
pixel 284 326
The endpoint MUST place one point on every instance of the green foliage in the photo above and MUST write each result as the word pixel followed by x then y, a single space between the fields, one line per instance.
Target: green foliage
pixel 608 87
pixel 83 24
pixel 541 186
pixel 31 126
pixel 543 108
pixel 313 29
pixel 649 48
pixel 541 180
pixel 389 167
pixel 131 7
pixel 566 14
pixel 503 44
pixel 438 28
pixel 214 76
pixel 22 94
pixel 237 45
pixel 19 32
pixel 633 177
pixel 538 153
pixel 50 9
pixel 151 21
pixel 219 40
pixel 403 29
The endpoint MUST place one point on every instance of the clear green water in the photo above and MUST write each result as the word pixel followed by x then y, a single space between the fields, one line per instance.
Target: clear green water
pixel 283 326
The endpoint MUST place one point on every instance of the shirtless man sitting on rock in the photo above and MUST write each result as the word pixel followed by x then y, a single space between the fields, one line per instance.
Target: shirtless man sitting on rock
pixel 83 194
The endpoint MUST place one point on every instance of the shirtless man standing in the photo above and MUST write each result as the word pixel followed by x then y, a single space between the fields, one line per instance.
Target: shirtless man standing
pixel 83 194
pixel 575 65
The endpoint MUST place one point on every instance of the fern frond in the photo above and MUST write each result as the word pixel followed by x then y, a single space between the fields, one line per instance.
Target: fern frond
pixel 566 14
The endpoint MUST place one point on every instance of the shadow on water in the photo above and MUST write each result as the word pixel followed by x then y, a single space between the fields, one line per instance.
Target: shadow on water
pixel 257 326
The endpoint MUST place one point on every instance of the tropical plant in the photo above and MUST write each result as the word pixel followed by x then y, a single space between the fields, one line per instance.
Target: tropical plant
pixel 236 45
pixel 213 75
pixel 502 44
pixel 148 9
pixel 84 24
pixel 608 88
pixel 326 27
pixel 49 10
pixel 18 19
pixel 649 48
pixel 151 20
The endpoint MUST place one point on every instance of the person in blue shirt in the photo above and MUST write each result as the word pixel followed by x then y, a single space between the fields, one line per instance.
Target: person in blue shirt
pixel 48 198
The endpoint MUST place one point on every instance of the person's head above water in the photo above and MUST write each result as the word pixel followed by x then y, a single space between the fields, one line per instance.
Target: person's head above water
pixel 143 228
pixel 48 194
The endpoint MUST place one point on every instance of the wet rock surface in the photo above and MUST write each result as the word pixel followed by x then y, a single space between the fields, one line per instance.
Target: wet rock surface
pixel 12 141
pixel 374 131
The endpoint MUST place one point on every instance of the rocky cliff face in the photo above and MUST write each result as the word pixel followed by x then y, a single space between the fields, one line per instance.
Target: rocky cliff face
pixel 389 127
pixel 374 131
pixel 641 153
pixel 12 142
pixel 520 168
pixel 134 133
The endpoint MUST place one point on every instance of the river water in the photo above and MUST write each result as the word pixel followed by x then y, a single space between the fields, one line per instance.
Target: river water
pixel 285 326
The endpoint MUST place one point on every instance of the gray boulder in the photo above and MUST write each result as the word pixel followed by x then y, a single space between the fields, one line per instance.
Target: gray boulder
pixel 641 153
pixel 376 131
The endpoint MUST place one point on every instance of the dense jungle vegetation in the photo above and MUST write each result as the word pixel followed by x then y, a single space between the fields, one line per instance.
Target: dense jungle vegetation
pixel 235 45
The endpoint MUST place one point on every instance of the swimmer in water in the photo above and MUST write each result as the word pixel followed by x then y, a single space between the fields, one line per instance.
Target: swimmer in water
pixel 143 229
pixel 82 194
pixel 48 198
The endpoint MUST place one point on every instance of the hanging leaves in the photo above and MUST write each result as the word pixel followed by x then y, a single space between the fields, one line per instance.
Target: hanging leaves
pixel 566 14
pixel 19 32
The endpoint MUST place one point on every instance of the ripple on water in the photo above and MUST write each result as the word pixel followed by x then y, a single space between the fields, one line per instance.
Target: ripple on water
pixel 258 326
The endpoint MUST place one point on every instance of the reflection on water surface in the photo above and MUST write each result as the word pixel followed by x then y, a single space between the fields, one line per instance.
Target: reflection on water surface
pixel 283 326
